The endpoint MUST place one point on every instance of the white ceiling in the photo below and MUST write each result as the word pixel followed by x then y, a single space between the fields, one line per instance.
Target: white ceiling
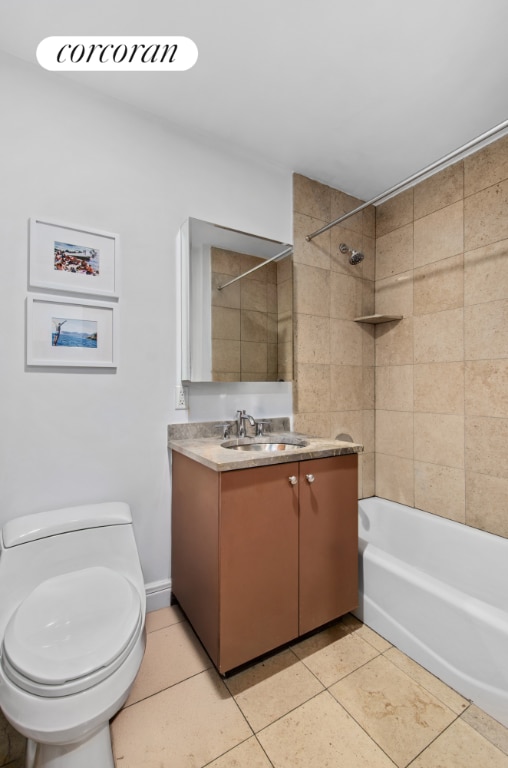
pixel 358 94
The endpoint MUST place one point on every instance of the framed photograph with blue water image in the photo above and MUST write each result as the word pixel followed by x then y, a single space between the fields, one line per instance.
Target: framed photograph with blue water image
pixel 72 258
pixel 65 331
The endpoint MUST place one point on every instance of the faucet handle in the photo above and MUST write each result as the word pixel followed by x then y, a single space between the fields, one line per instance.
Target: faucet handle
pixel 259 427
pixel 226 427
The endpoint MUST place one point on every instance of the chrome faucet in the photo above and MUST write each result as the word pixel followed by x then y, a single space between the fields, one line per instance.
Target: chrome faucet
pixel 241 418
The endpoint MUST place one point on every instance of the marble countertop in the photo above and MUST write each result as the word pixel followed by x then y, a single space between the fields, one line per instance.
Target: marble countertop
pixel 209 451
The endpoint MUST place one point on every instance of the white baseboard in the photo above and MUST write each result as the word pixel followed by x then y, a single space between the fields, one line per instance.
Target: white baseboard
pixel 158 595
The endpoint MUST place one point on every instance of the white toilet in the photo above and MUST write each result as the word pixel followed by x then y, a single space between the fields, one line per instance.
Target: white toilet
pixel 72 630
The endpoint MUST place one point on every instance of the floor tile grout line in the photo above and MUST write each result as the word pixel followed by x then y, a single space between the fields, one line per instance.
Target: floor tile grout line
pixel 369 735
pixel 422 685
pixel 438 736
pixel 166 688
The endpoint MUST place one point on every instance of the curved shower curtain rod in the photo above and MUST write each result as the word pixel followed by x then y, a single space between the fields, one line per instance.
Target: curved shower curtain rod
pixel 412 178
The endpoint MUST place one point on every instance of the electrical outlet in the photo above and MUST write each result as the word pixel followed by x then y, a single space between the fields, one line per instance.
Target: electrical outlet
pixel 181 398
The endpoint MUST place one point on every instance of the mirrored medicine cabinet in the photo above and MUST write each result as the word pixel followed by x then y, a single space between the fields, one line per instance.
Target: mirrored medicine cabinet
pixel 242 331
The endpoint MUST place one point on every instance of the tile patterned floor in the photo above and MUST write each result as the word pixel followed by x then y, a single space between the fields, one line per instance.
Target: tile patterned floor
pixel 342 698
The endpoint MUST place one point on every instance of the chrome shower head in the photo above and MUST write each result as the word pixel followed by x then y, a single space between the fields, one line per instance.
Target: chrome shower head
pixel 355 256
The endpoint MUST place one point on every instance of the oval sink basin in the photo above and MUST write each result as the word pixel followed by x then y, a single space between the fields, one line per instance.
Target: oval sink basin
pixel 264 444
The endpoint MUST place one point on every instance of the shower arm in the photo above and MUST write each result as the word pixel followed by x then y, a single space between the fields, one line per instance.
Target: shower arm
pixel 412 178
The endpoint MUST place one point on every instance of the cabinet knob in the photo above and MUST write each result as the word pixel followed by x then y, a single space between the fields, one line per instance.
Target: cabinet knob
pixel 293 479
pixel 310 478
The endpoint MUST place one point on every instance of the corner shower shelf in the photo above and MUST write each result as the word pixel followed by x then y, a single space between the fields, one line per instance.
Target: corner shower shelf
pixel 375 319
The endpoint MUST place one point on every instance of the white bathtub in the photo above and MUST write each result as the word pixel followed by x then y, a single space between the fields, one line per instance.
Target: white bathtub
pixel 438 590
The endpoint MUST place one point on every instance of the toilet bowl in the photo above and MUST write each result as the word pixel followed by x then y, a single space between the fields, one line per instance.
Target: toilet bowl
pixel 72 638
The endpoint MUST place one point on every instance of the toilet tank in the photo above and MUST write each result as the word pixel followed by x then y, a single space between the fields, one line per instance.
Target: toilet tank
pixel 36 547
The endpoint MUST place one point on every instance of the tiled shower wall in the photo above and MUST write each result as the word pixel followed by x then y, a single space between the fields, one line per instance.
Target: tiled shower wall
pixel 251 319
pixel 334 356
pixel 442 372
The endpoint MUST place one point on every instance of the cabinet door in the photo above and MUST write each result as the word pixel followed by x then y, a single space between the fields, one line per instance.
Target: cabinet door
pixel 328 539
pixel 258 562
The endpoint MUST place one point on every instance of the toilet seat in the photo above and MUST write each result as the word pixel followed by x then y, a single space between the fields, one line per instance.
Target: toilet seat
pixel 71 632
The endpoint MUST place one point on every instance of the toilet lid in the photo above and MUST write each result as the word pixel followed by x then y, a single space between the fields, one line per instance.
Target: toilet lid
pixel 72 625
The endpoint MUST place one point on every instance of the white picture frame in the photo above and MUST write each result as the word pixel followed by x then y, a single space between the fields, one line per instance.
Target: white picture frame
pixel 67 331
pixel 73 258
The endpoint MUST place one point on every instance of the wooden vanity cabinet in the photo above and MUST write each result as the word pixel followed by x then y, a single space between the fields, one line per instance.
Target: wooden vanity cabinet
pixel 258 558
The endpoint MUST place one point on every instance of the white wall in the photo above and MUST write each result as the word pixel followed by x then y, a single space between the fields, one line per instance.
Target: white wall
pixel 70 437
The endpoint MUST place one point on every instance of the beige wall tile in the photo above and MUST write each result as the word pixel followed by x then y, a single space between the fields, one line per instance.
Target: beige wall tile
pixel 485 219
pixel 440 190
pixel 369 221
pixel 394 343
pixel 311 198
pixel 394 252
pixel 285 362
pixel 395 213
pixel 486 167
pixel 368 265
pixel 439 388
pixel 346 296
pixel 486 441
pixel 439 337
pixel 439 235
pixel 486 330
pixel 439 439
pixel 316 252
pixel 253 295
pixel 394 295
pixel 394 479
pixel 394 387
pixel 439 286
pixel 486 273
pixel 487 388
pixel 346 388
pixel 486 503
pixel 317 424
pixel 254 358
pixel 254 325
pixel 367 475
pixel 312 339
pixel 225 262
pixel 285 297
pixel 272 361
pixel 368 430
pixel 311 290
pixel 369 387
pixel 368 298
pixel 272 322
pixel 394 433
pixel 440 490
pixel 230 296
pixel 225 323
pixel 312 394
pixel 347 423
pixel 226 355
pixel 345 342
pixel 368 344
pixel 342 203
